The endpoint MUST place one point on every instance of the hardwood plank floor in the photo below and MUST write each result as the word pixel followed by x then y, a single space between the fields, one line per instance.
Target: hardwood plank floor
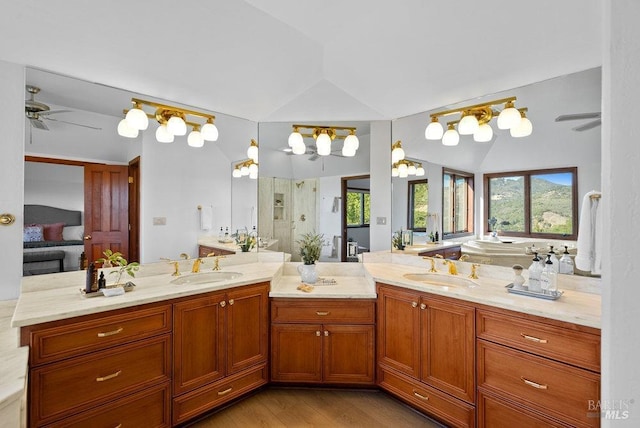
pixel 298 407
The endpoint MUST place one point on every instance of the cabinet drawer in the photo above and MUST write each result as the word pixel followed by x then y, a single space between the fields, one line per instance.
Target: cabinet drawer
pixel 78 384
pixel 449 410
pixel 72 339
pixel 197 402
pixel 570 346
pixel 494 412
pixel 555 389
pixel 323 311
pixel 149 408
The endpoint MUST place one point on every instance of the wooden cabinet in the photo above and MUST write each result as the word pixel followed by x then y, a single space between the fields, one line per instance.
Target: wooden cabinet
pixel 425 340
pixel 84 369
pixel 204 251
pixel 531 370
pixel 323 341
pixel 217 335
pixel 451 253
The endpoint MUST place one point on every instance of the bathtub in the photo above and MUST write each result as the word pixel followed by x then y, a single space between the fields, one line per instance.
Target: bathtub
pixel 508 252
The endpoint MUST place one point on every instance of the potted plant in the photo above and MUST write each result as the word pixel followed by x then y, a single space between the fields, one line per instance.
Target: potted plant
pixel 396 240
pixel 310 246
pixel 246 245
pixel 115 259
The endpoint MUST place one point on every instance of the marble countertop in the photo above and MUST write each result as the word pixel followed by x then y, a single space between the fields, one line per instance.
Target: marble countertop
pixel 417 248
pixel 14 368
pixel 214 242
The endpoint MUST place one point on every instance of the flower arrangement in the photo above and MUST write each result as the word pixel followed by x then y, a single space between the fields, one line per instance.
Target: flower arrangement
pixel 115 259
pixel 310 247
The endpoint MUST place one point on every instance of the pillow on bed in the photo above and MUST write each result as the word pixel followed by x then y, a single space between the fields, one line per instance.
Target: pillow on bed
pixel 33 233
pixel 53 232
pixel 73 233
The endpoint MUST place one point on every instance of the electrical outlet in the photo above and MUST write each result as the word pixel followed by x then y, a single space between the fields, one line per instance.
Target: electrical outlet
pixel 381 220
pixel 159 221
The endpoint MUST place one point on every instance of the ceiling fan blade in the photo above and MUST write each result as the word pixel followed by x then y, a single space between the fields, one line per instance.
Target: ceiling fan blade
pixel 38 124
pixel 72 123
pixel 578 116
pixel 588 125
pixel 43 113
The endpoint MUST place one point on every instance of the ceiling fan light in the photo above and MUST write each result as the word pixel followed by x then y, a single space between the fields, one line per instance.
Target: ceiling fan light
pixel 195 139
pixel 252 151
pixel 299 148
pixel 323 144
pixel 209 131
pixel 484 133
pixel 394 171
pixel 353 141
pixel 523 129
pixel 468 125
pixel 236 173
pixel 125 130
pixel 176 125
pixel 420 172
pixel 451 137
pixel 509 117
pixel 137 118
pixel 162 135
pixel 403 170
pixel 434 130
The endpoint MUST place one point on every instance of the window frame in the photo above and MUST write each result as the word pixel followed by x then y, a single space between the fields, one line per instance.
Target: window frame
pixel 527 201
pixel 411 203
pixel 469 178
pixel 362 192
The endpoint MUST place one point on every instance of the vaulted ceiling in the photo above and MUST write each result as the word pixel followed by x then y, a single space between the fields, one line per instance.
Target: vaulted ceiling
pixel 288 60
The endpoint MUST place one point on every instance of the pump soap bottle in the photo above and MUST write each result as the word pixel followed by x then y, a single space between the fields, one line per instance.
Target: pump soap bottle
pixel 566 263
pixel 535 270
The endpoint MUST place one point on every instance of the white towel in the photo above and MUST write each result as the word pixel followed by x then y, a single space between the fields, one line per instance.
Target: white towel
pixel 588 256
pixel 206 217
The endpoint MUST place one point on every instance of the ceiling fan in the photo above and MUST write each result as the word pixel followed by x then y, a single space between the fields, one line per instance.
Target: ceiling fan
pixel 581 116
pixel 37 111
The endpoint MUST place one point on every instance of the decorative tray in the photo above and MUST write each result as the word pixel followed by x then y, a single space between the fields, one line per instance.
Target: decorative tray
pixel 127 287
pixel 553 295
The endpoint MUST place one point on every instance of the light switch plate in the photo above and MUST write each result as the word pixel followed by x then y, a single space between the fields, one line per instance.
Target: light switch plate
pixel 159 221
pixel 381 220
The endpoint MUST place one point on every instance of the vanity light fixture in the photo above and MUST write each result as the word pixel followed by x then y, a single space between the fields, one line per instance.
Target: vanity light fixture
pixel 172 121
pixel 406 167
pixel 245 168
pixel 475 120
pixel 324 135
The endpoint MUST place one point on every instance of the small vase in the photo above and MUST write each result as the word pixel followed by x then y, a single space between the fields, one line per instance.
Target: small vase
pixel 308 274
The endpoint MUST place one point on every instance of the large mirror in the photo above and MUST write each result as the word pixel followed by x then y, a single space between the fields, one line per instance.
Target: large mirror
pixel 174 184
pixel 311 193
pixel 552 144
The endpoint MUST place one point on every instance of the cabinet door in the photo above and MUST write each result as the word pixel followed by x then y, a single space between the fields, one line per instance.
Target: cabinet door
pixel 198 342
pixel 348 354
pixel 448 347
pixel 399 330
pixel 247 327
pixel 296 352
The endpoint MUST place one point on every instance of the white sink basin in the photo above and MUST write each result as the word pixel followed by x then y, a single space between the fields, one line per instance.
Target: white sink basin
pixel 205 277
pixel 441 279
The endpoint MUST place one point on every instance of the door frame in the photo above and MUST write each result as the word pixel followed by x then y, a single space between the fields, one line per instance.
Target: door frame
pixel 343 186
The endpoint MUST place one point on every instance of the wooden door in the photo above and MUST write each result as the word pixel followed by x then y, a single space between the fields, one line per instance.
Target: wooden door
pixel 296 352
pixel 348 354
pixel 198 342
pixel 448 347
pixel 247 327
pixel 399 330
pixel 106 212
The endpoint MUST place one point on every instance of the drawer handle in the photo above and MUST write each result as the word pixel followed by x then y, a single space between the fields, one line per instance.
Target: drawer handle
pixel 533 339
pixel 321 313
pixel 423 306
pixel 230 302
pixel 326 333
pixel 414 304
pixel 420 396
pixel 317 333
pixel 107 377
pixel 226 391
pixel 110 333
pixel 118 426
pixel 533 384
pixel 223 304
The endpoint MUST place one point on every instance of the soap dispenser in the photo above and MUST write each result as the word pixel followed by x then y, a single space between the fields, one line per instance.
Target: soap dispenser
pixel 566 263
pixel 548 278
pixel 554 259
pixel 535 270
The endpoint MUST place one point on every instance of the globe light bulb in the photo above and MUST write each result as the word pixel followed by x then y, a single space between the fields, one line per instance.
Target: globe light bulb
pixel 125 130
pixel 137 118
pixel 348 151
pixel 295 138
pixel 434 130
pixel 236 173
pixel 299 148
pixel 484 133
pixel 252 151
pixel 509 117
pixel 176 126
pixel 420 172
pixel 353 141
pixel 523 129
pixel 468 125
pixel 403 170
pixel 195 139
pixel 209 131
pixel 162 135
pixel 244 170
pixel 253 168
pixel 451 137
pixel 323 144
pixel 411 169
pixel 394 171
pixel 397 154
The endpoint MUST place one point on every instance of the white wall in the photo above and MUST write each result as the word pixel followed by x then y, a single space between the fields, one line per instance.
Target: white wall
pixel 620 209
pixel 11 175
pixel 60 186
pixel 380 179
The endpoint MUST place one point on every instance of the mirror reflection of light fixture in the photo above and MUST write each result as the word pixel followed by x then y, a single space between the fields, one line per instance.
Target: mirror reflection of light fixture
pixel 324 135
pixel 475 120
pixel 252 151
pixel 406 167
pixel 248 167
pixel 173 121
pixel 397 152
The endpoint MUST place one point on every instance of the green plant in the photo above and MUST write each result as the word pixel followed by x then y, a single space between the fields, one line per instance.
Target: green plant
pixel 396 240
pixel 310 246
pixel 115 259
pixel 247 244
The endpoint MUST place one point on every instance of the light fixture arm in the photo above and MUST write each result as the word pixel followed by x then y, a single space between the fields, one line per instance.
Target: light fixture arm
pixel 472 107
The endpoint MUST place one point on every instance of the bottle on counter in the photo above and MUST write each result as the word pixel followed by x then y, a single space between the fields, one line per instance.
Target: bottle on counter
pixel 226 232
pixel 549 278
pixel 535 270
pixel 554 259
pixel 221 233
pixel 102 281
pixel 566 263
pixel 91 284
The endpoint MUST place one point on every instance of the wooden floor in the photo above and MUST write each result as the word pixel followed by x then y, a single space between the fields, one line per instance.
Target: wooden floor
pixel 284 407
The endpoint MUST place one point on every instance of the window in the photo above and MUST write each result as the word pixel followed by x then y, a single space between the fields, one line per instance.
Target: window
pixel 418 205
pixel 358 208
pixel 539 203
pixel 457 203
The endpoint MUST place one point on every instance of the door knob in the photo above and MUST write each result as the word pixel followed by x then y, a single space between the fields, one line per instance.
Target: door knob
pixel 7 219
pixel 87 237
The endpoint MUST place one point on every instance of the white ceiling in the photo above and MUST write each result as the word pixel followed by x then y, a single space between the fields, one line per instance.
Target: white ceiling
pixel 297 60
